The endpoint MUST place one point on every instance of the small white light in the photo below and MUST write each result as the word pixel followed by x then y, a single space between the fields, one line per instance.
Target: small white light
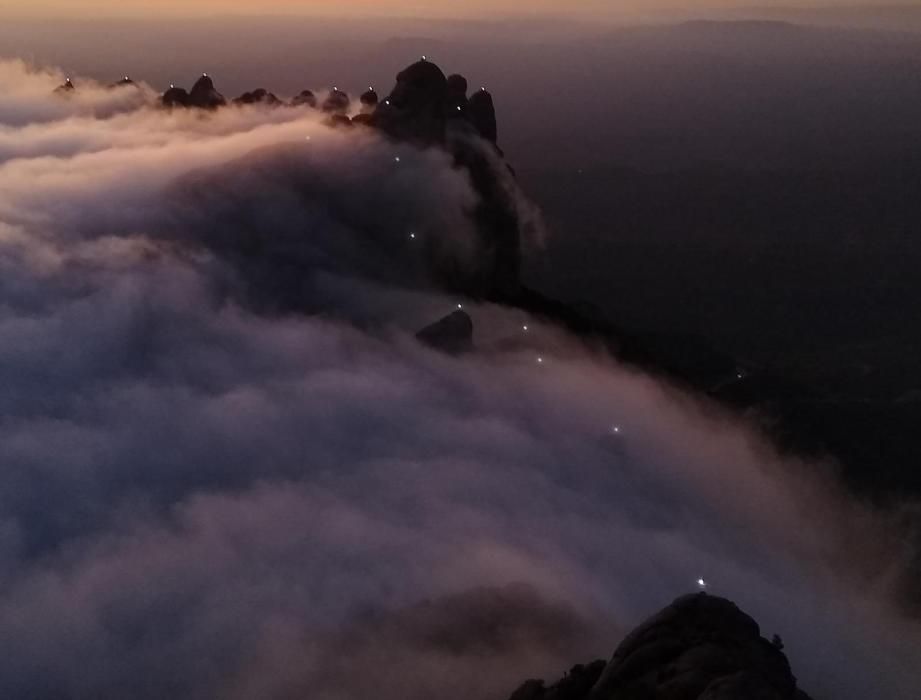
pixel 204 75
pixel 458 108
pixel 171 85
pixel 460 306
pixel 412 236
pixel 386 102
pixel 524 328
pixel 397 159
pixel 423 58
pixel 127 78
pixel 701 583
pixel 616 430
pixel 307 138
pixel 540 360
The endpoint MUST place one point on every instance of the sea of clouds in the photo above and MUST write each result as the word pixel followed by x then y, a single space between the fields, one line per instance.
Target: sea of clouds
pixel 228 470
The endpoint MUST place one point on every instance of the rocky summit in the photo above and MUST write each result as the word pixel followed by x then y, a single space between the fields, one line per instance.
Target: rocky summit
pixel 700 647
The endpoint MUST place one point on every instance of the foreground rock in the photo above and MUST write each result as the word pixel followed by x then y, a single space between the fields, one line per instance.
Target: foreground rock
pixel 698 648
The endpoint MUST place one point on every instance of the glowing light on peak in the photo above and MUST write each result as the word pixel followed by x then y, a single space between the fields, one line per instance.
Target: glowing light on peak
pixel 460 306
pixel 701 583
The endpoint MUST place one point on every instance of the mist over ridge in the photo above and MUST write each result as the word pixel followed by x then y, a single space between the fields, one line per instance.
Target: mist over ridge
pixel 194 480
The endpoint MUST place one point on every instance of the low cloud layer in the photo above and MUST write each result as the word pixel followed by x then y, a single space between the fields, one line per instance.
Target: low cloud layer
pixel 206 495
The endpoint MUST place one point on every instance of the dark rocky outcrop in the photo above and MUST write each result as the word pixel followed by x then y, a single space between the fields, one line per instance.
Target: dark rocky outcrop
pixel 124 82
pixel 452 334
pixel 369 101
pixel 65 88
pixel 259 96
pixel 336 102
pixel 424 108
pixel 698 648
pixel 305 98
pixel 175 97
pixel 482 114
pixel 204 96
pixel 415 108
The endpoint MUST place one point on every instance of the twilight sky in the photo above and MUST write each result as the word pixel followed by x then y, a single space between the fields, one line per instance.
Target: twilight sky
pixel 418 8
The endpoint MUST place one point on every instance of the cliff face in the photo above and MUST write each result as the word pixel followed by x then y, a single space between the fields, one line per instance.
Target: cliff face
pixel 698 648
pixel 427 108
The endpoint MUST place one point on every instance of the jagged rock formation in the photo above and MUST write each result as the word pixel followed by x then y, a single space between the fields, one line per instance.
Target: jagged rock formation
pixel 452 334
pixel 423 109
pixel 698 648
pixel 259 96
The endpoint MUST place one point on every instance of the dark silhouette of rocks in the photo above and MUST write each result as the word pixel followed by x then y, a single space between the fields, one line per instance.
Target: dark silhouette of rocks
pixel 482 114
pixel 259 96
pixel 204 96
pixel 124 82
pixel 339 121
pixel 175 97
pixel 336 102
pixel 65 88
pixel 415 108
pixel 305 98
pixel 369 101
pixel 698 648
pixel 423 109
pixel 457 97
pixel 575 685
pixel 452 334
